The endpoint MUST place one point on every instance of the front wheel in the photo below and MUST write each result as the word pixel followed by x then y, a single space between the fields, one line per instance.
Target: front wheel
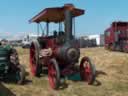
pixel 35 66
pixel 20 74
pixel 54 74
pixel 87 70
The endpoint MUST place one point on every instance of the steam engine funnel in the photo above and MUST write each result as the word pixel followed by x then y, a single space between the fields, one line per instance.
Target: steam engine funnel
pixel 68 24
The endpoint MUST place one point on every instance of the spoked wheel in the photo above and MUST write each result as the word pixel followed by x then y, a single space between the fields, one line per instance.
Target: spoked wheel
pixel 20 75
pixel 87 70
pixel 36 68
pixel 54 74
pixel 19 69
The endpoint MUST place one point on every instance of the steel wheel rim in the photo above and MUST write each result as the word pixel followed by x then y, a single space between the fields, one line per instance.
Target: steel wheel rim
pixel 52 75
pixel 86 70
pixel 32 60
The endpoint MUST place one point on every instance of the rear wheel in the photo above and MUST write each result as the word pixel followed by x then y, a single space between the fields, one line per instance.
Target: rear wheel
pixel 87 70
pixel 54 74
pixel 36 68
pixel 20 74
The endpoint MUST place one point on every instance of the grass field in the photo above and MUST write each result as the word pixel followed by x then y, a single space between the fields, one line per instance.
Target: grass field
pixel 111 80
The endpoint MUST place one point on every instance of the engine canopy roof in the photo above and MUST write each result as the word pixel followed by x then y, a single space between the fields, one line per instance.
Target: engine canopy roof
pixel 56 14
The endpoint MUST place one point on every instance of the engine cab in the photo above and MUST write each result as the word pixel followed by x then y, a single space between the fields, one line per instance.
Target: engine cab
pixel 63 44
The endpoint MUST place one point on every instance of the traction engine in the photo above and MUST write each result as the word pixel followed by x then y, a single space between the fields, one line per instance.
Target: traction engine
pixel 59 52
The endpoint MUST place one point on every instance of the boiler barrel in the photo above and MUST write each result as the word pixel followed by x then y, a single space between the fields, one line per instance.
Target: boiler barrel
pixel 68 53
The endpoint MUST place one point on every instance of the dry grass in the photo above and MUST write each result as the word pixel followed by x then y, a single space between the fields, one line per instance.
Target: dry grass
pixel 112 77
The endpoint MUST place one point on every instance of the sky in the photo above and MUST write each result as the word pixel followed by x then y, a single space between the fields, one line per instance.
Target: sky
pixel 14 15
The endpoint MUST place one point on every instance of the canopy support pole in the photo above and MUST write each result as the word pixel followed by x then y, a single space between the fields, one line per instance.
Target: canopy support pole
pixel 60 26
pixel 47 25
pixel 38 29
pixel 42 30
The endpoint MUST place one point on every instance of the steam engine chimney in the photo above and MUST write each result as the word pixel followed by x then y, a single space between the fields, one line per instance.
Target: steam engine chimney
pixel 68 21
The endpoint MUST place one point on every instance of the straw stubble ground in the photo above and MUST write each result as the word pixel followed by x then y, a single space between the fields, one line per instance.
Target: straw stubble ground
pixel 112 77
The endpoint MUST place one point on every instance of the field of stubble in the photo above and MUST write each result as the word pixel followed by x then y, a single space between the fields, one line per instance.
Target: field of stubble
pixel 111 80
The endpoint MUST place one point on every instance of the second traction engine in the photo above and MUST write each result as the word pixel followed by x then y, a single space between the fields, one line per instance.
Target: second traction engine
pixel 116 36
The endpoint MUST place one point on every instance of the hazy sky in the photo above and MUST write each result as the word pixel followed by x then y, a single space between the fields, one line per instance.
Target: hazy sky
pixel 14 15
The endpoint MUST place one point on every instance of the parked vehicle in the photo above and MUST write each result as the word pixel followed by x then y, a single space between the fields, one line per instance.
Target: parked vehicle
pixel 59 52
pixel 15 43
pixel 26 41
pixel 116 36
pixel 10 68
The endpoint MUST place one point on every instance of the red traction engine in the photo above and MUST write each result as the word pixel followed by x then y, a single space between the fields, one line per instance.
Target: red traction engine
pixel 60 52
